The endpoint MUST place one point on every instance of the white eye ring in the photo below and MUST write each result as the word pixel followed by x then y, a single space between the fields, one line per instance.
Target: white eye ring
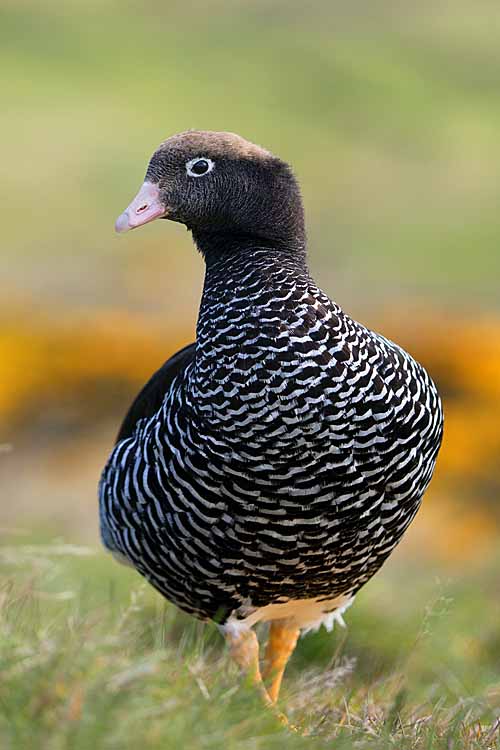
pixel 190 166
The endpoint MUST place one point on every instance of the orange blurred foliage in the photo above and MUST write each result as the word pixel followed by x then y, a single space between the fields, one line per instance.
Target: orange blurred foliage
pixel 96 364
pixel 463 356
pixel 44 360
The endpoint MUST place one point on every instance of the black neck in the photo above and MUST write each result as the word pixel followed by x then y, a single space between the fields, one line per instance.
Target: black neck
pixel 273 219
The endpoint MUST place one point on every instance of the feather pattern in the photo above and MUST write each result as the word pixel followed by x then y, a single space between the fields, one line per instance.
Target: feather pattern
pixel 279 458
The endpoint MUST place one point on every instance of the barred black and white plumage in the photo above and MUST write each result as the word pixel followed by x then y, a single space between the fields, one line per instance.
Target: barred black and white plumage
pixel 279 459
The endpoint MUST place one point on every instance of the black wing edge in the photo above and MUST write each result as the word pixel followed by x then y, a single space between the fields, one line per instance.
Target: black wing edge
pixel 150 398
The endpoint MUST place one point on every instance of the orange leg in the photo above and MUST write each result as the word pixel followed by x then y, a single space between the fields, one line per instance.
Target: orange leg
pixel 282 641
pixel 244 648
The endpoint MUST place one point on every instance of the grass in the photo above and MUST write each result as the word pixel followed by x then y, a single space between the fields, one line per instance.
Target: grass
pixel 91 657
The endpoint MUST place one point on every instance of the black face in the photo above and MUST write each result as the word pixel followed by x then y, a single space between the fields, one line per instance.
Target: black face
pixel 218 183
pixel 211 193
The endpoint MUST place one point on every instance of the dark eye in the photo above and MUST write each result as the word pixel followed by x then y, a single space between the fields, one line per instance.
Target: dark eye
pixel 199 166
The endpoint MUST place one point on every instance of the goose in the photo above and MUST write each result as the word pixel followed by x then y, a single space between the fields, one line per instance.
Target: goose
pixel 268 469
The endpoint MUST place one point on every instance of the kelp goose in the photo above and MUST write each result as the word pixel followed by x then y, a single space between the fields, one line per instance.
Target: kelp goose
pixel 267 470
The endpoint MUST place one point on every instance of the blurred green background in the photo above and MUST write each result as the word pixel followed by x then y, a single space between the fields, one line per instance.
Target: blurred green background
pixel 389 113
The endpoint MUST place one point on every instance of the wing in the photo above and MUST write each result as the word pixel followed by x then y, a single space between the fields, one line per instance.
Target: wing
pixel 150 398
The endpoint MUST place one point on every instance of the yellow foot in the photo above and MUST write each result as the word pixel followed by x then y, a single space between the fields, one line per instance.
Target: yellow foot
pixel 244 648
pixel 280 646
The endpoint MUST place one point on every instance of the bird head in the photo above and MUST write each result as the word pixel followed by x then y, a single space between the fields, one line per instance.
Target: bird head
pixel 218 183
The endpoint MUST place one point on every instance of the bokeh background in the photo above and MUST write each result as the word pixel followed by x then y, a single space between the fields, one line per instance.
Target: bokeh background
pixel 389 113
